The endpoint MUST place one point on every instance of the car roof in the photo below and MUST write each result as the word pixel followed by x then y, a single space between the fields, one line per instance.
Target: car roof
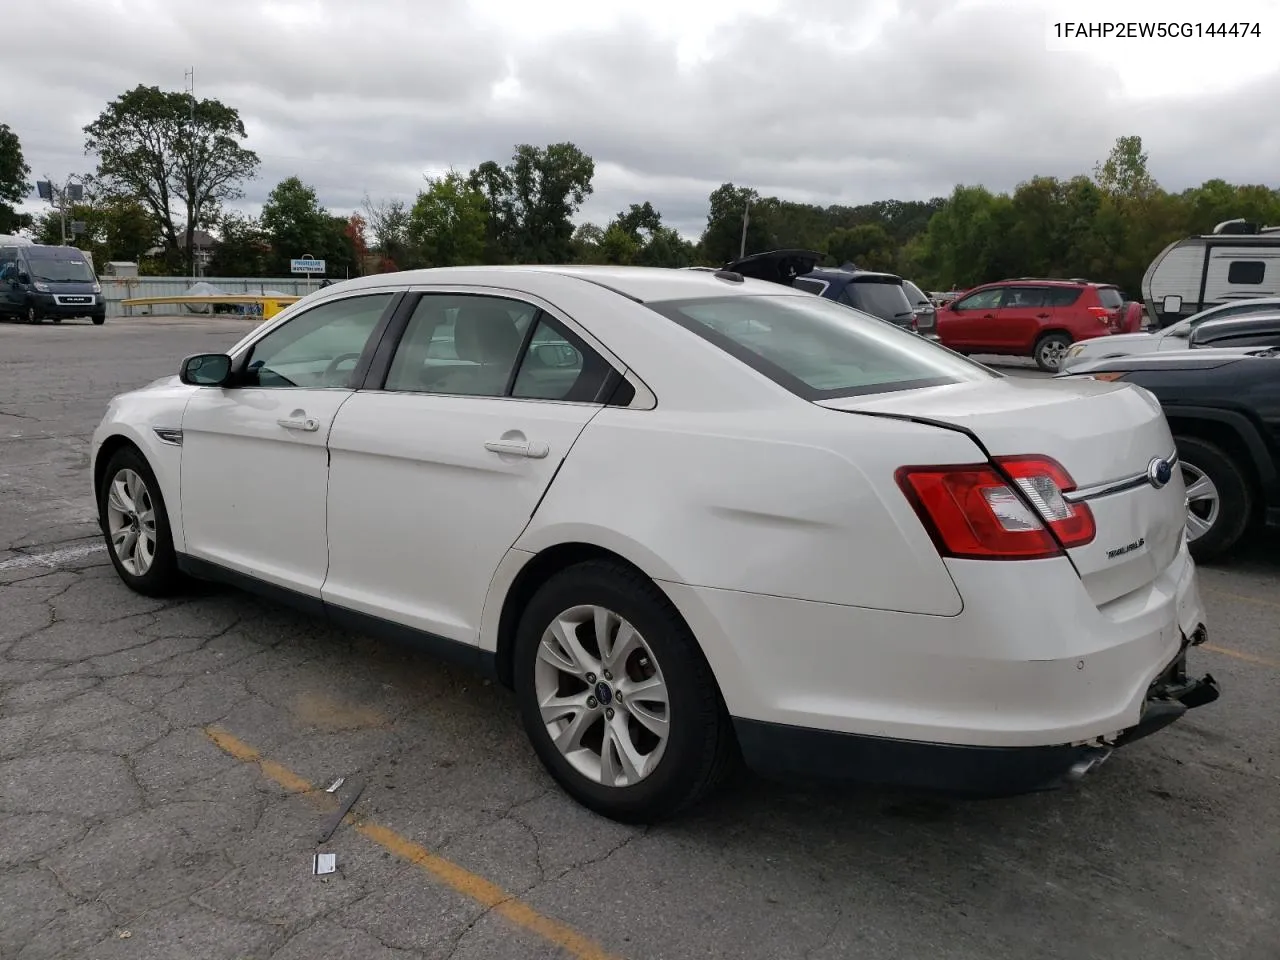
pixel 641 284
pixel 1264 319
pixel 836 274
pixel 1048 282
pixel 1252 301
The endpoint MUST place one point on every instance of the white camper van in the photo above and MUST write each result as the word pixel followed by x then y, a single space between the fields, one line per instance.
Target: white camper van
pixel 1238 261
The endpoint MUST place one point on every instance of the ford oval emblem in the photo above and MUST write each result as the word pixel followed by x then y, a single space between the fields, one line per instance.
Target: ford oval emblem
pixel 1159 472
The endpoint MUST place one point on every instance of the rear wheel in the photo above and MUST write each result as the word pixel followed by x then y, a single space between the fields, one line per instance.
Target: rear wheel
pixel 1219 498
pixel 1050 350
pixel 617 699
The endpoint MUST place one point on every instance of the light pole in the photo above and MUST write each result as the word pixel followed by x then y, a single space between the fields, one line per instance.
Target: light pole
pixel 746 218
pixel 58 196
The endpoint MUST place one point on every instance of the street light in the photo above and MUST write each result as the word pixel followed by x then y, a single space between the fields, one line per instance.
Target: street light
pixel 58 197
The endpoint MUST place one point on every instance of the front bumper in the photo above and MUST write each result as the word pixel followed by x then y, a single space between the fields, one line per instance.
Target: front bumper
pixel 962 770
pixel 64 305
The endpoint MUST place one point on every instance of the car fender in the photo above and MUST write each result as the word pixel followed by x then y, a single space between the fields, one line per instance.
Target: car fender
pixel 1244 428
pixel 136 418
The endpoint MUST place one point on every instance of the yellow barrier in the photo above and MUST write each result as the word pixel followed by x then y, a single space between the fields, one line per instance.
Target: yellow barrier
pixel 269 306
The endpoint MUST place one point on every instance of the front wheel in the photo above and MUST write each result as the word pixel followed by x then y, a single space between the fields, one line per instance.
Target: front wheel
pixel 617 699
pixel 1050 351
pixel 32 316
pixel 1219 498
pixel 99 319
pixel 135 524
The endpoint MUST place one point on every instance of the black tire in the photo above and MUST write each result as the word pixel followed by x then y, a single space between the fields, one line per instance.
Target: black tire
pixel 57 319
pixel 1235 496
pixel 1057 342
pixel 32 316
pixel 99 319
pixel 162 577
pixel 700 750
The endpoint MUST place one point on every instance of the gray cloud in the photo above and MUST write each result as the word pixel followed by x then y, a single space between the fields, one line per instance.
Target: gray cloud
pixel 838 105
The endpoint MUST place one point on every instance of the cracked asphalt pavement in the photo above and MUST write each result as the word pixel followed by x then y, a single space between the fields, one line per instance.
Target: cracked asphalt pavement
pixel 163 765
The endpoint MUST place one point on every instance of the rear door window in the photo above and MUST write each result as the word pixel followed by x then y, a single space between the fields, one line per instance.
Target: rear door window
pixel 1062 296
pixel 1022 298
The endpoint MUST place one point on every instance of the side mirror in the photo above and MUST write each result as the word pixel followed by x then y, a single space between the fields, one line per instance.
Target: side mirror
pixel 206 370
pixel 1171 304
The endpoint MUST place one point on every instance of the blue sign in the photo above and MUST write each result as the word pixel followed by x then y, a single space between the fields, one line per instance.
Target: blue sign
pixel 306 265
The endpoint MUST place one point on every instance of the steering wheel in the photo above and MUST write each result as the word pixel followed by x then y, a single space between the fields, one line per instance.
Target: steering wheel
pixel 332 368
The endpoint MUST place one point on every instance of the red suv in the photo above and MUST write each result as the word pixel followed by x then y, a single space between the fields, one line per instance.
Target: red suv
pixel 1030 318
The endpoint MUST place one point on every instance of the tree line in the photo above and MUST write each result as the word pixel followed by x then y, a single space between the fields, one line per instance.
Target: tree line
pixel 168 165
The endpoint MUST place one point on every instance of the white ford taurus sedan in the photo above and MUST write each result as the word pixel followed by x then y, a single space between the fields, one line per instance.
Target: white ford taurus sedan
pixel 689 519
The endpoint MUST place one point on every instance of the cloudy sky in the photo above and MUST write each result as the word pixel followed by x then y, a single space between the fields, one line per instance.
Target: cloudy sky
pixel 822 101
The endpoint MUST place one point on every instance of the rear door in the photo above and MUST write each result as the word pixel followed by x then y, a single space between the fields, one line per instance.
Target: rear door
pixel 1024 313
pixel 438 463
pixel 971 323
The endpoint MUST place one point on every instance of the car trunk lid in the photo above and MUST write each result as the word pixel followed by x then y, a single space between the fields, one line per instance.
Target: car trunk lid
pixel 1106 435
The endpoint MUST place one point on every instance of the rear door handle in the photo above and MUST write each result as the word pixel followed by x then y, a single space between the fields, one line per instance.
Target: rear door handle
pixel 1042 316
pixel 307 424
pixel 518 448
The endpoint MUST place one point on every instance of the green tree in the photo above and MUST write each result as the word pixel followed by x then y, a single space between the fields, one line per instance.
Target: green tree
pixel 867 245
pixel 243 249
pixel 449 221
pixel 14 187
pixel 722 237
pixel 295 224
pixel 1124 172
pixel 548 185
pixel 180 157
pixel 388 224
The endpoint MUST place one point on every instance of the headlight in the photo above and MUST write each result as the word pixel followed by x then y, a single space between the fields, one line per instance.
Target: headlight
pixel 97 288
pixel 41 286
pixel 1076 350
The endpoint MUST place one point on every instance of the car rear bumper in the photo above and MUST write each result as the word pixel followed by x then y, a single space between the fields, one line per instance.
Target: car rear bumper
pixel 1030 673
pixel 779 749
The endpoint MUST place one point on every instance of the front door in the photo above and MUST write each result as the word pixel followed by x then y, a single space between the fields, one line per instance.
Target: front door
pixel 436 474
pixel 254 460
pixel 971 323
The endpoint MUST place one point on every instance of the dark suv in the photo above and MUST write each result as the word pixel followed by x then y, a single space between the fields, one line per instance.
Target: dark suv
pixel 1030 318
pixel 879 294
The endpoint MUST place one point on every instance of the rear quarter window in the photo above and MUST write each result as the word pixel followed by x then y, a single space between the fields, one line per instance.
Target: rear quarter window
pixel 817 348
pixel 1110 297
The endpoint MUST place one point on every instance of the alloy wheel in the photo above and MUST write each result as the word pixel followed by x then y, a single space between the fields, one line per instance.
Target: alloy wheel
pixel 602 696
pixel 131 522
pixel 1204 503
pixel 1052 353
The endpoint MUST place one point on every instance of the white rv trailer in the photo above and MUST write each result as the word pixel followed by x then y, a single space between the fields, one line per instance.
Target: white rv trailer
pixel 1238 261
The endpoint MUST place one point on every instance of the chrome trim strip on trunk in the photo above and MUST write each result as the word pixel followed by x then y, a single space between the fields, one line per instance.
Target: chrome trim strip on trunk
pixel 1114 486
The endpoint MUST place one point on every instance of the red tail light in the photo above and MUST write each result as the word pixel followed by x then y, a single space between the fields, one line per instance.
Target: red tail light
pixel 1102 314
pixel 1013 510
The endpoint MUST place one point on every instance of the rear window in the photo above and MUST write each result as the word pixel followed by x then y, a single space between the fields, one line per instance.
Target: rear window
pixel 915 295
pixel 1246 271
pixel 818 349
pixel 884 300
pixel 1110 297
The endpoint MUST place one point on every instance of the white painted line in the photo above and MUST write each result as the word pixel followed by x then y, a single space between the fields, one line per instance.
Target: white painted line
pixel 54 559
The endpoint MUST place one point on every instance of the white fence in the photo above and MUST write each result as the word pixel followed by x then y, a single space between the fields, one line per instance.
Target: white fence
pixel 115 289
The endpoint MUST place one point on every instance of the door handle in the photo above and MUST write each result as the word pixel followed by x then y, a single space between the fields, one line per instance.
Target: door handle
pixel 988 316
pixel 517 448
pixel 1042 316
pixel 308 424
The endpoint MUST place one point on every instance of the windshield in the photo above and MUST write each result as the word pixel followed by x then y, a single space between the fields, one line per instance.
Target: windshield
pixel 61 271
pixel 819 349
pixel 885 300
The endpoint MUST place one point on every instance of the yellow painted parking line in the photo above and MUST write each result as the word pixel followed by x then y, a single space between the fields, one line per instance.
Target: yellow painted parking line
pixel 1241 655
pixel 463 881
pixel 1240 596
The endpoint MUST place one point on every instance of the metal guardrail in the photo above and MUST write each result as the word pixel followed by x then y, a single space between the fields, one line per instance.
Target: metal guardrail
pixel 267 306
